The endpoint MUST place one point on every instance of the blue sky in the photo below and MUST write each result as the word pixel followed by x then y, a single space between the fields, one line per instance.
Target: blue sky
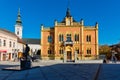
pixel 37 12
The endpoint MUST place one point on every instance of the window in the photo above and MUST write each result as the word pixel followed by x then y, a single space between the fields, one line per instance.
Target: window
pixel 0 42
pixel 10 44
pixel 4 43
pixel 61 38
pixel 76 37
pixel 68 37
pixel 61 51
pixel 50 39
pixel 17 32
pixel 49 51
pixel 88 38
pixel 13 44
pixel 89 51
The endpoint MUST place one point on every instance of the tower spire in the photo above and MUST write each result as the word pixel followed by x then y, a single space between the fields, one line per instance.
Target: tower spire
pixel 18 25
pixel 18 21
pixel 68 9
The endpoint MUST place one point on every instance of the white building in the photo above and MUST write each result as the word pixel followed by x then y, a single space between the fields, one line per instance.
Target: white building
pixel 11 43
pixel 8 45
pixel 34 45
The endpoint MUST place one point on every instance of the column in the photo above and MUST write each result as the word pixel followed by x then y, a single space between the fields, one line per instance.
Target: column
pixel 75 56
pixel 65 55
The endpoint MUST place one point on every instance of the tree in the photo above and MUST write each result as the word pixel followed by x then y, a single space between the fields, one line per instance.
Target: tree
pixel 105 50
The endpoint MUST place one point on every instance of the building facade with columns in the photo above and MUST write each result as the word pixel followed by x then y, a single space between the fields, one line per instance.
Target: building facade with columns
pixel 69 39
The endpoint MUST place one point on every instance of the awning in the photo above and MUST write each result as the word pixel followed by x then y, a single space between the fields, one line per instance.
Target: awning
pixel 4 51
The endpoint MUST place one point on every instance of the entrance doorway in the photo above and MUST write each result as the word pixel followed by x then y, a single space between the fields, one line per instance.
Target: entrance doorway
pixel 69 55
pixel 4 57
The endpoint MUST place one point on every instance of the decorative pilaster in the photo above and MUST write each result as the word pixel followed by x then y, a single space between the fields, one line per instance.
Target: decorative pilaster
pixel 82 37
pixel 65 56
pixel 97 50
pixel 75 56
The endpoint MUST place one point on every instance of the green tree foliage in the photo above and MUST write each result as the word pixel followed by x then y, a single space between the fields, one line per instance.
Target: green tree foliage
pixel 104 49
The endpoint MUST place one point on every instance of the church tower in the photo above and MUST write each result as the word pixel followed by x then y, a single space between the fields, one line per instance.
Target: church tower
pixel 18 25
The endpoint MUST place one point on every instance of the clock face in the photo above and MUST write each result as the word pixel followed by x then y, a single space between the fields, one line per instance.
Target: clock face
pixel 68 22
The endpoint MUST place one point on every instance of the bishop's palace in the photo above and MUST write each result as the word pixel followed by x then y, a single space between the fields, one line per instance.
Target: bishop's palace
pixel 69 40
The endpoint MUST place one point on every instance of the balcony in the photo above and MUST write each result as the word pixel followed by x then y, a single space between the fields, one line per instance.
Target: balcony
pixel 68 42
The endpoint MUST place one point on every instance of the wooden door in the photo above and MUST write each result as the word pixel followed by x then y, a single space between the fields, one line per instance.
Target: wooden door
pixel 69 55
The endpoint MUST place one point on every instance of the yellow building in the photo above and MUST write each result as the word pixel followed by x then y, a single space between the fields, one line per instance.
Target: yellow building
pixel 69 40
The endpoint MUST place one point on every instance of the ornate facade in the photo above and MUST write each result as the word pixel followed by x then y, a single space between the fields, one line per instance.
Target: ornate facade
pixel 69 37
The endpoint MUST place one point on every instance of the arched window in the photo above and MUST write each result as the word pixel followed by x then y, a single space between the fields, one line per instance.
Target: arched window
pixel 69 38
pixel 50 39
pixel 61 37
pixel 4 42
pixel 49 51
pixel 89 51
pixel 76 37
pixel 13 44
pixel 10 44
pixel 88 38
pixel 61 51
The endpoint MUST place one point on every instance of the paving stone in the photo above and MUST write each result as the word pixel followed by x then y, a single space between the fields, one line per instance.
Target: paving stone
pixel 35 78
pixel 63 71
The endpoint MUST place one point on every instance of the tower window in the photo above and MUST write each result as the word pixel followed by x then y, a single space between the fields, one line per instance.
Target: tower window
pixel 18 32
